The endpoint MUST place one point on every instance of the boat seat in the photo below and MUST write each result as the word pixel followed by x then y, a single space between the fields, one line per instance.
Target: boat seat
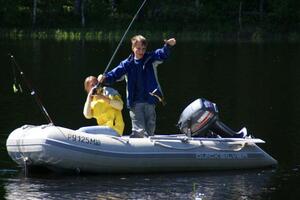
pixel 99 130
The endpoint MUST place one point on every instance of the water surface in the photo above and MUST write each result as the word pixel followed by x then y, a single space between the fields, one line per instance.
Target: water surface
pixel 255 85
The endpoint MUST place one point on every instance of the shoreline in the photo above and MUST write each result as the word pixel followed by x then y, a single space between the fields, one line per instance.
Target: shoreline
pixel 115 35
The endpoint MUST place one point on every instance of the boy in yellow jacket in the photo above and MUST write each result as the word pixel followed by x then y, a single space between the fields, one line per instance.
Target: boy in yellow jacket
pixel 105 106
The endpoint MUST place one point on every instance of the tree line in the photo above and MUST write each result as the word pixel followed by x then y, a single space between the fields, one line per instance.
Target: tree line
pixel 180 15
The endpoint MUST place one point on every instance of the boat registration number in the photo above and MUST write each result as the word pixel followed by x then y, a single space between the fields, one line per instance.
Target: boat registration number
pixel 83 139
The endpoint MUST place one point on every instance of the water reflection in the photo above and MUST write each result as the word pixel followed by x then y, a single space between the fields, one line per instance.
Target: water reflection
pixel 205 185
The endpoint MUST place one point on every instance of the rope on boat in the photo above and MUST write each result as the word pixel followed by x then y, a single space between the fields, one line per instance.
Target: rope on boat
pixel 22 157
pixel 223 149
pixel 27 126
pixel 242 145
pixel 185 140
pixel 171 147
pixel 120 139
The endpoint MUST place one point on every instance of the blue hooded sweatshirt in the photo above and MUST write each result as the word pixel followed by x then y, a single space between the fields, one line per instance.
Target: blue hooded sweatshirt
pixel 140 75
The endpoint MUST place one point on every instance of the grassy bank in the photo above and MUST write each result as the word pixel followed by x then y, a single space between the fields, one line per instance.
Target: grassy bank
pixel 113 35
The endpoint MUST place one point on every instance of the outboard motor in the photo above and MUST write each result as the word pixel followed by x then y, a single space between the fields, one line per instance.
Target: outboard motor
pixel 200 118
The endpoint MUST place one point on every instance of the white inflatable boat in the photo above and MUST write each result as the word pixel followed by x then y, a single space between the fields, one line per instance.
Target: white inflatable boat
pixel 59 148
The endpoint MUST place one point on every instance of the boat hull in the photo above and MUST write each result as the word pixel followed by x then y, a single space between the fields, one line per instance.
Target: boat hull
pixel 61 148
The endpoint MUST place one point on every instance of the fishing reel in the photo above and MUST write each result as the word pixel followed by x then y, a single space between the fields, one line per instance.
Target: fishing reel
pixel 97 89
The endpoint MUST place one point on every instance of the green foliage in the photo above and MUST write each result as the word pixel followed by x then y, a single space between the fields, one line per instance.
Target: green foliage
pixel 203 16
pixel 284 16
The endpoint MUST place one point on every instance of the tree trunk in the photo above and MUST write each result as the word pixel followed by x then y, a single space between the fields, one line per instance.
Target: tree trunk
pixel 34 13
pixel 240 20
pixel 261 9
pixel 113 5
pixel 82 13
pixel 197 3
pixel 240 15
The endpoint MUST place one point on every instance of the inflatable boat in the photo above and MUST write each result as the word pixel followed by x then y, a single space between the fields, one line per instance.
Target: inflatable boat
pixel 59 148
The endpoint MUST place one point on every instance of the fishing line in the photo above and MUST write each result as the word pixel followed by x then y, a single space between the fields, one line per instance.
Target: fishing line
pixel 17 87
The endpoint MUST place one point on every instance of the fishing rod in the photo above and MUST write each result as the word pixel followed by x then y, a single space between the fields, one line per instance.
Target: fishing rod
pixel 117 48
pixel 17 87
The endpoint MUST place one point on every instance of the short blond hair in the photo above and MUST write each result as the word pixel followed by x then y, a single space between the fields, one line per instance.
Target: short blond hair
pixel 88 80
pixel 138 38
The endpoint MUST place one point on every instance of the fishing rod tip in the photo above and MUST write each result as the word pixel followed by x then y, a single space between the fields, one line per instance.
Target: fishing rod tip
pixel 10 55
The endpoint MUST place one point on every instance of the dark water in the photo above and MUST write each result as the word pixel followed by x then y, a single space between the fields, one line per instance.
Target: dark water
pixel 254 85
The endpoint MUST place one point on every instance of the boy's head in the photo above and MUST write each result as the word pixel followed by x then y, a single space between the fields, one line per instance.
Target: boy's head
pixel 89 83
pixel 138 46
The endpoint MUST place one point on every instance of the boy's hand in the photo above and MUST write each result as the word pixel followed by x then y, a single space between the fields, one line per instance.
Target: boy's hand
pixel 101 78
pixel 171 41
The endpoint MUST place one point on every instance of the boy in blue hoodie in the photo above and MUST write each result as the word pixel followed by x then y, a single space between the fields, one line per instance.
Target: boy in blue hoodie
pixel 143 89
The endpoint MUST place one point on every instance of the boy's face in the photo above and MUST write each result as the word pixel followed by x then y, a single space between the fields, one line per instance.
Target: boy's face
pixel 139 50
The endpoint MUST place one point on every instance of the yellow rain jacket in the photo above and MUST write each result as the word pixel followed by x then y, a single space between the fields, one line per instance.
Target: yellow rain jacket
pixel 106 115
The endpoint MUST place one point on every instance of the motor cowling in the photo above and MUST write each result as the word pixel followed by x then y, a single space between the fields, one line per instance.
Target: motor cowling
pixel 197 117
